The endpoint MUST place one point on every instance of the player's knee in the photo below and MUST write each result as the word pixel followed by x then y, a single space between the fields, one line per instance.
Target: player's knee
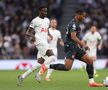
pixel 41 60
pixel 68 68
pixel 49 52
pixel 87 59
pixel 90 60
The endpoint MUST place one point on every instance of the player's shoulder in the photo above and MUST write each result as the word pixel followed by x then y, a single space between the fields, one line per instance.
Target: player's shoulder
pixel 47 19
pixel 35 19
pixel 58 31
pixel 88 33
pixel 97 33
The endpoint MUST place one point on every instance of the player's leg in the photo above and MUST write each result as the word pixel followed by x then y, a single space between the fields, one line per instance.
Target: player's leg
pixel 68 62
pixel 28 72
pixel 40 61
pixel 90 70
pixel 49 58
pixel 82 55
pixel 94 61
pixel 48 75
pixel 49 71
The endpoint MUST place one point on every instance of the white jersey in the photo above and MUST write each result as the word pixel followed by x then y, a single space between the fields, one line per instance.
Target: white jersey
pixel 41 29
pixel 92 41
pixel 41 34
pixel 53 43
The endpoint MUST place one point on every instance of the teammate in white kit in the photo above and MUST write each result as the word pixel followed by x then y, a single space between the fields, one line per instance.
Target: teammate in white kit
pixel 38 33
pixel 94 40
pixel 56 34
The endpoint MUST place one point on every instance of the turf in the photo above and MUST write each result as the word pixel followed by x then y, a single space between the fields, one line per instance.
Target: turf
pixel 71 80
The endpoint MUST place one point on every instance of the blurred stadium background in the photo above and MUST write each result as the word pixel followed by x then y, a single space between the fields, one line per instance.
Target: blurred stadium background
pixel 15 16
pixel 17 53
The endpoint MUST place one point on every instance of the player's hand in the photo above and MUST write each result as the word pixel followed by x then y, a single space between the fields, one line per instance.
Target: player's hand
pixel 86 47
pixel 99 47
pixel 50 37
pixel 32 39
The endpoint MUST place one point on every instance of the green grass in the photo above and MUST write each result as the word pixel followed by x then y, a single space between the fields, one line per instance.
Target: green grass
pixel 72 80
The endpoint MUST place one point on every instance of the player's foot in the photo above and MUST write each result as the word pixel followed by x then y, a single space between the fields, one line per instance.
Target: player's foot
pixel 48 79
pixel 95 84
pixel 43 69
pixel 96 75
pixel 20 80
pixel 38 77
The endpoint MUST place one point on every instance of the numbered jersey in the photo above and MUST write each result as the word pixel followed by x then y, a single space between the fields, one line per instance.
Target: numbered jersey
pixel 41 29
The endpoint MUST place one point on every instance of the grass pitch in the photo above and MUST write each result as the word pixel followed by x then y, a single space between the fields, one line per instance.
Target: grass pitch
pixel 70 80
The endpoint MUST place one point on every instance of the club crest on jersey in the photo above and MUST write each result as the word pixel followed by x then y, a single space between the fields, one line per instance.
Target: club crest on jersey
pixel 44 30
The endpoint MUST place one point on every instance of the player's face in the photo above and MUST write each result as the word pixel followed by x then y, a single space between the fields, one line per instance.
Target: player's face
pixel 43 12
pixel 53 23
pixel 81 17
pixel 93 29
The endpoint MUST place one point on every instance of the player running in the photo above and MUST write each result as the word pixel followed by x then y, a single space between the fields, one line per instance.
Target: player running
pixel 56 34
pixel 94 40
pixel 73 49
pixel 38 33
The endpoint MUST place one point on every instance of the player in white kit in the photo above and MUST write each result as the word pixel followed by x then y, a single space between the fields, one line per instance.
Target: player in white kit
pixel 94 40
pixel 38 34
pixel 53 43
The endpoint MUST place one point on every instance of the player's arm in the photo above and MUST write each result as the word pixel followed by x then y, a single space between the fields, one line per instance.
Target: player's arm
pixel 50 37
pixel 100 42
pixel 31 34
pixel 61 42
pixel 77 40
pixel 99 45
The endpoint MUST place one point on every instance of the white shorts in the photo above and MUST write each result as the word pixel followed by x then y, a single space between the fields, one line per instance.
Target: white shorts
pixel 55 51
pixel 42 49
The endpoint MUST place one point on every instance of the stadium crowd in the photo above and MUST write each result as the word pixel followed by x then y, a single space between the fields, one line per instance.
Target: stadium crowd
pixel 97 11
pixel 15 16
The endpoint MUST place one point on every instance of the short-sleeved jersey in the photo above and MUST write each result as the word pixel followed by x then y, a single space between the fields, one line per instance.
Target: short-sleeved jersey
pixel 92 39
pixel 41 29
pixel 56 35
pixel 73 26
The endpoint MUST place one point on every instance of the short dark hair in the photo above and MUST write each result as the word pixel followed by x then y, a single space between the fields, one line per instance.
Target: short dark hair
pixel 42 6
pixel 53 18
pixel 80 11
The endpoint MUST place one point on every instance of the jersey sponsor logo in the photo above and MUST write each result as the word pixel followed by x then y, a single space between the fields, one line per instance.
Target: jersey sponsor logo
pixel 44 30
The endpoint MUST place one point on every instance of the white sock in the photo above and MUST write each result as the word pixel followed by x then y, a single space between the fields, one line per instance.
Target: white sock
pixel 48 61
pixel 29 71
pixel 49 72
pixel 91 80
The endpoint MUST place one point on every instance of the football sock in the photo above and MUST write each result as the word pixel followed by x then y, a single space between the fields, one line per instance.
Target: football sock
pixel 48 61
pixel 49 72
pixel 91 80
pixel 29 71
pixel 90 72
pixel 60 67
